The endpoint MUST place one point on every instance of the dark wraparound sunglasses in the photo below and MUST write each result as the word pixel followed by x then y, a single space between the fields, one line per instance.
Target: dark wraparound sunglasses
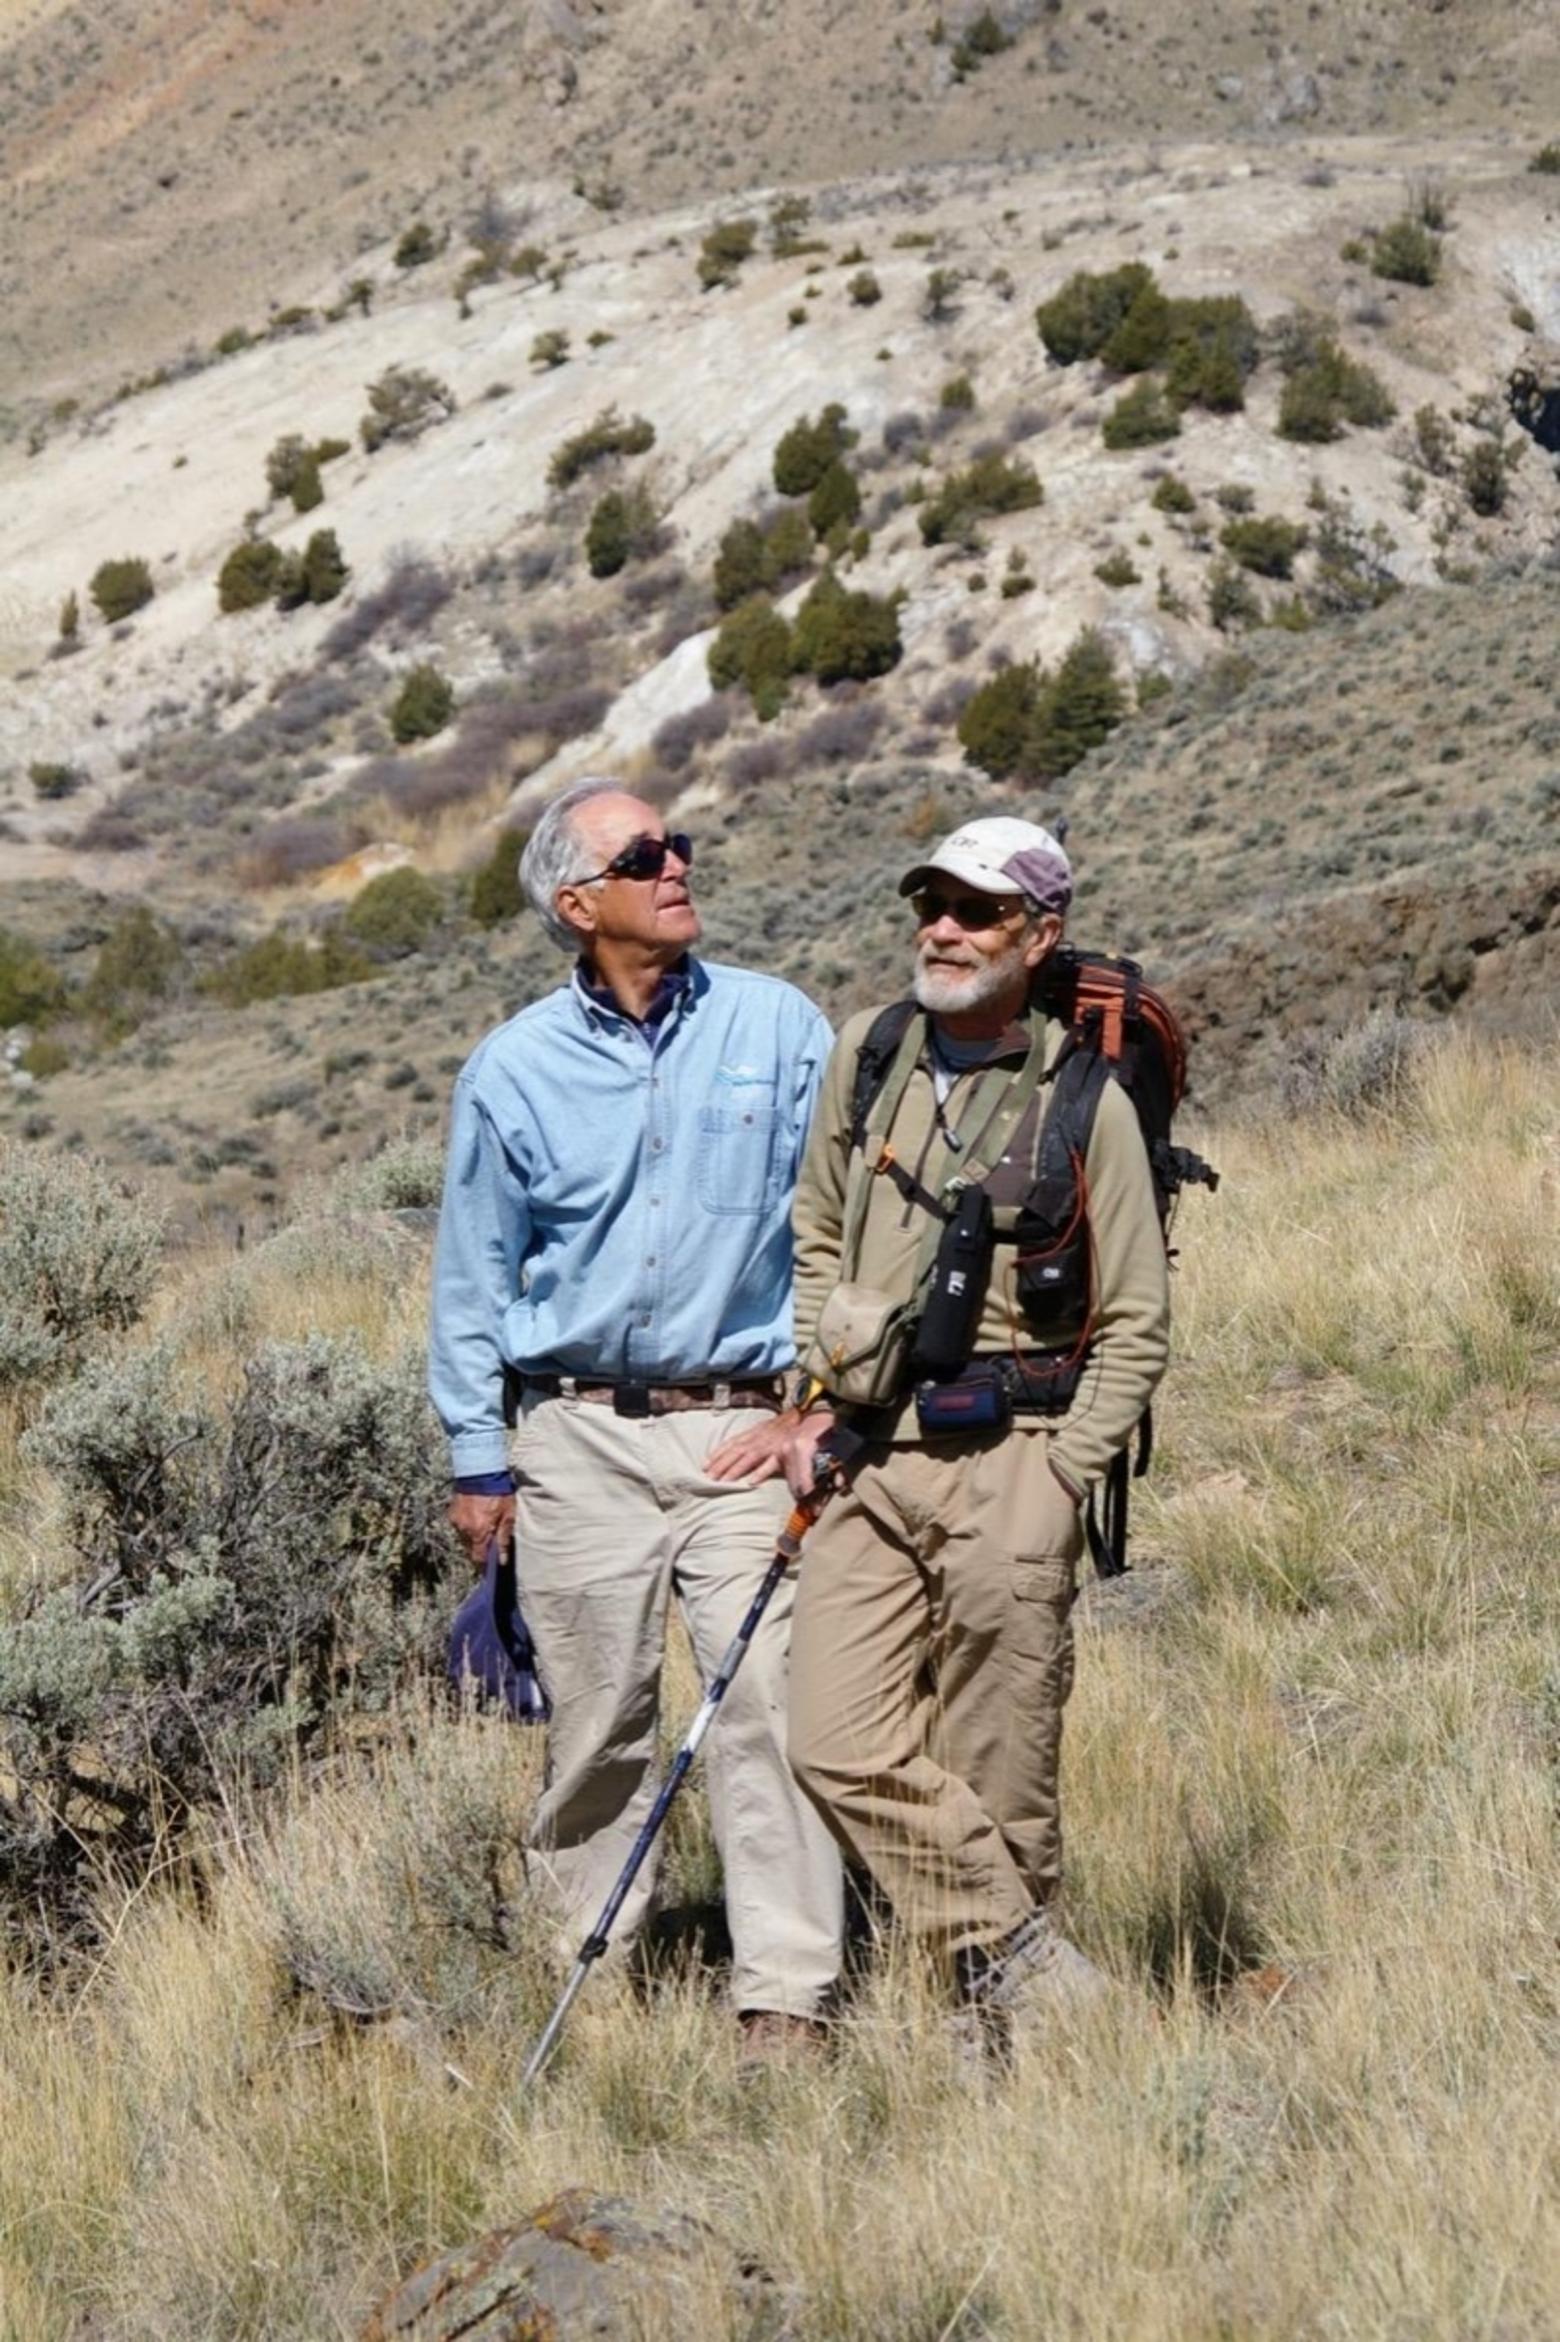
pixel 643 857
pixel 971 912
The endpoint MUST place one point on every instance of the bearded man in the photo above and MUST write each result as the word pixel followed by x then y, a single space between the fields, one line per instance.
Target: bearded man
pixel 931 1653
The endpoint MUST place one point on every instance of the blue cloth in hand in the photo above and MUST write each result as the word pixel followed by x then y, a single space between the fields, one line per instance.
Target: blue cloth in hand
pixel 491 1647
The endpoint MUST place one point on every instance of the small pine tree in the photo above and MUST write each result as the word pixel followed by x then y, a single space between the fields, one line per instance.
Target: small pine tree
pixel 804 453
pixel 249 575
pixel 422 706
pixel 1080 705
pixel 70 618
pixel 995 721
pixel 1141 417
pixel 845 637
pixel 1078 321
pixel 496 894
pixel 835 499
pixel 138 963
pixel 754 648
pixel 743 564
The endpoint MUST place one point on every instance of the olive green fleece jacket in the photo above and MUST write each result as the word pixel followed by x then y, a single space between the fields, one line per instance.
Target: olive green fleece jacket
pixel 1131 1336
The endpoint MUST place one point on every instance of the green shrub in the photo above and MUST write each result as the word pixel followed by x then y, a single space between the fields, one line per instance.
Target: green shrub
pixel 275 1557
pixel 120 588
pixel 743 564
pixel 1268 545
pixel 994 723
pixel 70 620
pixel 789 543
pixel 44 1056
pixel 530 261
pixel 139 962
pixel 1328 389
pixel 957 395
pixel 52 781
pixel 937 298
pixel 550 349
pixel 1407 252
pixel 317 574
pixel 624 526
pixel 31 989
pixel 1078 321
pixel 402 404
pixel 991 484
pixel 845 637
pixel 864 289
pixel 395 913
pixel 249 575
pixel 1351 572
pixel 1141 417
pixel 293 468
pixel 1232 599
pixel 724 249
pixel 1153 687
pixel 1080 705
pixel 1117 569
pixel 422 706
pixel 79 1256
pixel 986 37
pixel 804 453
pixel 417 246
pixel 836 499
pixel 1484 473
pixel 495 885
pixel 753 647
pixel 610 434
pixel 236 338
pixel 1024 721
pixel 1547 159
pixel 280 965
pixel 1173 495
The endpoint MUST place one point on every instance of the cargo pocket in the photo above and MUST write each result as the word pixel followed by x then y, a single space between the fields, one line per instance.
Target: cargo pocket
pixel 738 1170
pixel 1042 1590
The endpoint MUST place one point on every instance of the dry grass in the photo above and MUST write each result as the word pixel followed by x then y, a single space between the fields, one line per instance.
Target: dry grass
pixel 1311 1783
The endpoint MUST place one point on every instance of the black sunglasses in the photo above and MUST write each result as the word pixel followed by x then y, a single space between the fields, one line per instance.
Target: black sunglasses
pixel 971 912
pixel 643 857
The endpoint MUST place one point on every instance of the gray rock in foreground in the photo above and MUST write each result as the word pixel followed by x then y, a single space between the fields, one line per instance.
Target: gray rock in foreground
pixel 579 2265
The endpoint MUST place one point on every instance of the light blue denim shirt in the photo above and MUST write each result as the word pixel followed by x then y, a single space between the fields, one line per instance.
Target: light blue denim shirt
pixel 617 1197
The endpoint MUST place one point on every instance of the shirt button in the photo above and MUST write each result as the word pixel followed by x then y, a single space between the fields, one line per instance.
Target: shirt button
pixel 656 1144
pixel 644 1321
pixel 654 1200
pixel 649 1260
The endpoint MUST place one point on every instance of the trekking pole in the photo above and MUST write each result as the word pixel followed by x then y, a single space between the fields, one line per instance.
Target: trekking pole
pixel 806 1511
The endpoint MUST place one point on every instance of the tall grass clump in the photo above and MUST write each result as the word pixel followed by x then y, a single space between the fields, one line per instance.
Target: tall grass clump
pixel 1309 1788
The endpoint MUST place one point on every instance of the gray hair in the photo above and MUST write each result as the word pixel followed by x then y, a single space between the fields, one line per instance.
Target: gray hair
pixel 552 854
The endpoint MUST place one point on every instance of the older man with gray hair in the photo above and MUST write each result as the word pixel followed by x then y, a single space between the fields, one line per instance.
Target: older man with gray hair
pixel 611 1325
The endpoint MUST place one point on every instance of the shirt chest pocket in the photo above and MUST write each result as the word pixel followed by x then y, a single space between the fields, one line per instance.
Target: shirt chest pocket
pixel 739 1156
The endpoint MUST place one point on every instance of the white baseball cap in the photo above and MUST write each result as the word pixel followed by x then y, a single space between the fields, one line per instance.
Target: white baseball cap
pixel 1002 856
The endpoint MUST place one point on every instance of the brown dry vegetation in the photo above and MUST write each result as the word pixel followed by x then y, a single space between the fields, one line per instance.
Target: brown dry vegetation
pixel 1310 1785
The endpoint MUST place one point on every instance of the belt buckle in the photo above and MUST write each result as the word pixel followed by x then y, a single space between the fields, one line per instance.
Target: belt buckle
pixel 631 1398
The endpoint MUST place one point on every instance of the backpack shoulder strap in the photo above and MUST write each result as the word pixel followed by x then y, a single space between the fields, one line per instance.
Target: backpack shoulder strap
pixel 879 1048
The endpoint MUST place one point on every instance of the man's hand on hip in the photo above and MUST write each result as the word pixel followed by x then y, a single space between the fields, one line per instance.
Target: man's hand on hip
pixel 481 1521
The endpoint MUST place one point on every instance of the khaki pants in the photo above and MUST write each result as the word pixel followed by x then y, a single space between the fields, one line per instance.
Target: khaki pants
pixel 931 1658
pixel 614 1515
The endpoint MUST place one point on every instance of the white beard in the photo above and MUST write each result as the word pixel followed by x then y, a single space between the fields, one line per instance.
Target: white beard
pixel 951 991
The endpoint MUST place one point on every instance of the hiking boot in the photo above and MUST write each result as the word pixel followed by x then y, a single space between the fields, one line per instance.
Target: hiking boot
pixel 1033 1972
pixel 772 2037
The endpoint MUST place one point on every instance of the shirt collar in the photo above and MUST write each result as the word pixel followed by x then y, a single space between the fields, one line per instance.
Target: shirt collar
pixel 672 986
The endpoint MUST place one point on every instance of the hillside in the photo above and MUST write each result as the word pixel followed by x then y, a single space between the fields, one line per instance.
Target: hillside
pixel 174 169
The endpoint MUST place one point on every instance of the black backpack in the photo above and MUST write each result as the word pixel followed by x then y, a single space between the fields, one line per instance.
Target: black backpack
pixel 1118 1028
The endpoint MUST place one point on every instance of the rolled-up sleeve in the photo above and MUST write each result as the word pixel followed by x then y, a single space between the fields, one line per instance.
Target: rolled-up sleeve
pixel 484 1233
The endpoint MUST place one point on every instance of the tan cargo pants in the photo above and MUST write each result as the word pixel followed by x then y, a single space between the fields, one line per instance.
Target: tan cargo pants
pixel 931 1658
pixel 615 1515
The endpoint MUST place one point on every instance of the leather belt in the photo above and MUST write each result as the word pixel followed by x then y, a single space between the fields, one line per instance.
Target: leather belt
pixel 662 1398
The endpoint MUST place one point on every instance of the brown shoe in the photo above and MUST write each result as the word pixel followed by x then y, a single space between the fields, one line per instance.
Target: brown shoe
pixel 771 2037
